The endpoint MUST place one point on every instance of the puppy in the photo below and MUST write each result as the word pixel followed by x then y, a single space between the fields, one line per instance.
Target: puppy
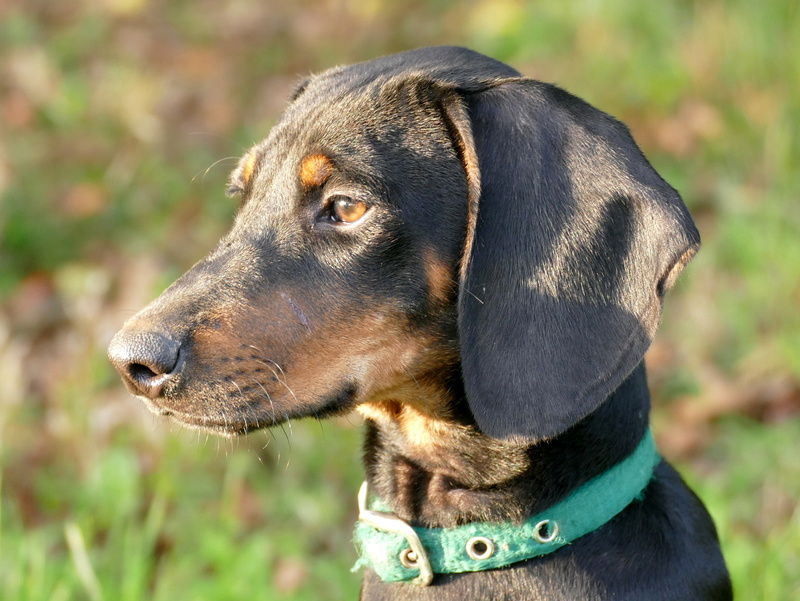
pixel 476 262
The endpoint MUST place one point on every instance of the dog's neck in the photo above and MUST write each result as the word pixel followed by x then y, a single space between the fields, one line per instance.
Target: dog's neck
pixel 442 471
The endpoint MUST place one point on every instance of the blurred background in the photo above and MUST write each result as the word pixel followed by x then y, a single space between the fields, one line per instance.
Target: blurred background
pixel 119 123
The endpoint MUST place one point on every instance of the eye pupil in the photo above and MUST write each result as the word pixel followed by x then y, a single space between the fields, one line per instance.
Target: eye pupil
pixel 347 210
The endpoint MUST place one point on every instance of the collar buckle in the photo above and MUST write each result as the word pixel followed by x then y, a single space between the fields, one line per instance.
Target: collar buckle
pixel 415 556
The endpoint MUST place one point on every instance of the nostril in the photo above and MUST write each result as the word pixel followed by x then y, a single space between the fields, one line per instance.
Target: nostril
pixel 140 372
pixel 146 380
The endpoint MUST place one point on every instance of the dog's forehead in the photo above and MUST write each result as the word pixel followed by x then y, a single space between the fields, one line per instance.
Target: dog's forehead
pixel 354 88
pixel 345 113
pixel 347 131
pixel 315 139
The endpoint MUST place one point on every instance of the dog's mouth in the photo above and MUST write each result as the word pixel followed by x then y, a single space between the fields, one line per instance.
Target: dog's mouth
pixel 220 425
pixel 235 421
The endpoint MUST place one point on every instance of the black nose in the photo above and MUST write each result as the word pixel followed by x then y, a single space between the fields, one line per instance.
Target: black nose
pixel 145 360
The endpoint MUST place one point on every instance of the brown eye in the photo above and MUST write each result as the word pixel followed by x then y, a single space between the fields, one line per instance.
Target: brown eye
pixel 347 210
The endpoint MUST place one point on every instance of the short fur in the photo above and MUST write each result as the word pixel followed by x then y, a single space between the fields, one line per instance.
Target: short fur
pixel 488 314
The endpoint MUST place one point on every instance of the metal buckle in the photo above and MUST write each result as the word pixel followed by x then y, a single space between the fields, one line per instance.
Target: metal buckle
pixel 416 556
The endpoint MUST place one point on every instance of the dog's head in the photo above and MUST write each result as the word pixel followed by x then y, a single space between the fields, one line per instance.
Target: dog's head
pixel 422 214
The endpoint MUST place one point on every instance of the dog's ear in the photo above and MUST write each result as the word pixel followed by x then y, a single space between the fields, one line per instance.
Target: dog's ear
pixel 572 241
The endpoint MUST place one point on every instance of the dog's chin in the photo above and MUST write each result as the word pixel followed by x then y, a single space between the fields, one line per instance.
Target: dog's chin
pixel 231 423
pixel 212 424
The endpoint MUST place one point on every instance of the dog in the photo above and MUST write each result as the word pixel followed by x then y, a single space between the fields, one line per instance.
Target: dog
pixel 476 262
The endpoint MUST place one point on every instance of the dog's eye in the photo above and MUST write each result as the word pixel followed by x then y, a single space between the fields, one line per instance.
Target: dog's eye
pixel 344 209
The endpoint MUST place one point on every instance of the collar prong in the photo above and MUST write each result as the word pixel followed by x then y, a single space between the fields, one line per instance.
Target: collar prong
pixel 388 522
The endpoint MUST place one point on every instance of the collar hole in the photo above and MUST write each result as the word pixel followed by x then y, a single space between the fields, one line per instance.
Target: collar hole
pixel 480 548
pixel 545 531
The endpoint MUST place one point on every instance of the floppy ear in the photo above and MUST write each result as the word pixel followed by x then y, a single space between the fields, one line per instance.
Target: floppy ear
pixel 573 239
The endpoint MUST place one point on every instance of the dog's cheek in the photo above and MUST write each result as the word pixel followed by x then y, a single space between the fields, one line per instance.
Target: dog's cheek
pixel 289 357
pixel 235 357
pixel 359 349
pixel 294 350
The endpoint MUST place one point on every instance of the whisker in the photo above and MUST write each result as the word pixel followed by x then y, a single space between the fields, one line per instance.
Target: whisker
pixel 473 295
pixel 280 381
pixel 413 378
pixel 210 167
pixel 275 421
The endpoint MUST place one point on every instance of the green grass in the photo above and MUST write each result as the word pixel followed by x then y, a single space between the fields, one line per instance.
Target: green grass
pixel 112 119
pixel 189 518
pixel 754 504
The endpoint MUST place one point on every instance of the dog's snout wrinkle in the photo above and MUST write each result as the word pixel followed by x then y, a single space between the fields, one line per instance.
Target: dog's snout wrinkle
pixel 145 360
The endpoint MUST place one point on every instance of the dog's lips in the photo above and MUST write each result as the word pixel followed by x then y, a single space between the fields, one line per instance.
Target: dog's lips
pixel 207 423
pixel 210 424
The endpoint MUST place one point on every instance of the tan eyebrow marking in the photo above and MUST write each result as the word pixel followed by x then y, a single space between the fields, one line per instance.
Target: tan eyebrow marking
pixel 315 170
pixel 248 167
pixel 241 176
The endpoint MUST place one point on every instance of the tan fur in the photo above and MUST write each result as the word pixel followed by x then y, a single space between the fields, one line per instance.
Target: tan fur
pixel 419 428
pixel 418 405
pixel 439 277
pixel 315 170
pixel 248 168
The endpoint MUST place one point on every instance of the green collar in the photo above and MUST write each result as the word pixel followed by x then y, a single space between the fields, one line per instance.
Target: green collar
pixel 397 551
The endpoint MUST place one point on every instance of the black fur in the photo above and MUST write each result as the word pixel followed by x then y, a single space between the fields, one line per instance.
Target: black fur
pixel 489 314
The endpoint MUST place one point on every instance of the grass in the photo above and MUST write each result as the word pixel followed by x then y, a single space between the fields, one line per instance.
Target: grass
pixel 755 505
pixel 112 119
pixel 188 518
